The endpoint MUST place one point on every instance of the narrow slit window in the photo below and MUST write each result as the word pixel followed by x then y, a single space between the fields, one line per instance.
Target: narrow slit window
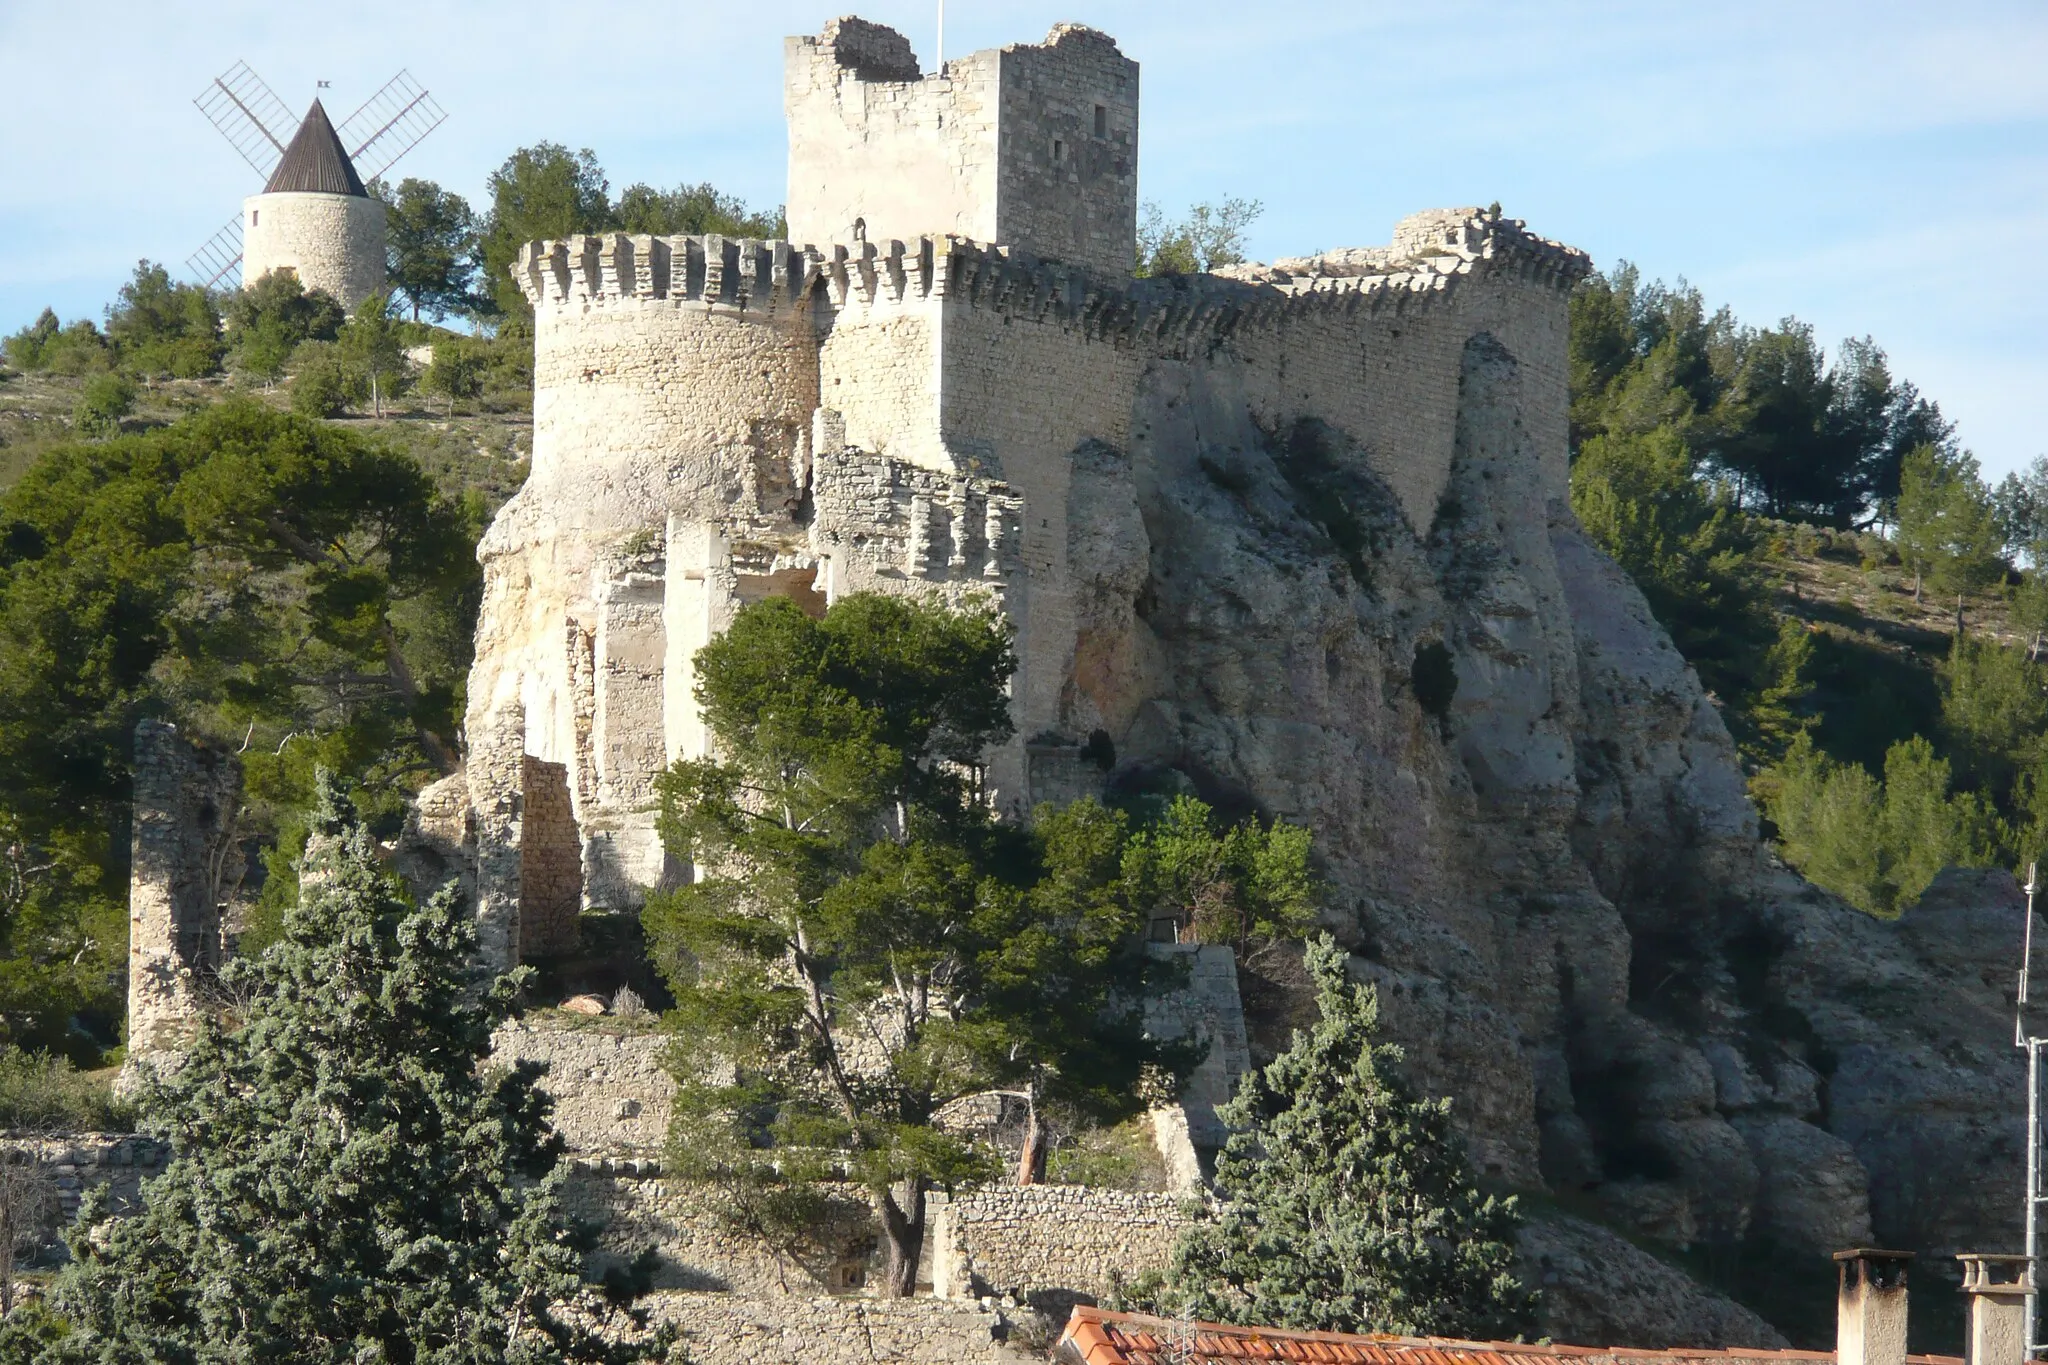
pixel 1101 121
pixel 254 214
pixel 1059 151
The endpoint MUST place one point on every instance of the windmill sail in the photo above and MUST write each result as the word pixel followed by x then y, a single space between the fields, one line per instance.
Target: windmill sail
pixel 390 124
pixel 252 119
pixel 218 264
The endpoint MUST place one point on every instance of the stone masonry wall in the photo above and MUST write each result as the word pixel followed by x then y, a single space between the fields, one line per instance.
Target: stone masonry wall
pixel 725 1329
pixel 1208 1009
pixel 1067 173
pixel 333 242
pixel 550 861
pixel 635 1208
pixel 1050 1242
pixel 612 1095
pixel 78 1162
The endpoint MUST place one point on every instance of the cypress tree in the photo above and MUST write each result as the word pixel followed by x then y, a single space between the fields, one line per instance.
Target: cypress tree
pixel 349 1181
pixel 1347 1203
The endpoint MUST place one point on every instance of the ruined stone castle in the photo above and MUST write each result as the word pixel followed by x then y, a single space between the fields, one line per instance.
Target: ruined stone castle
pixel 942 385
pixel 1293 536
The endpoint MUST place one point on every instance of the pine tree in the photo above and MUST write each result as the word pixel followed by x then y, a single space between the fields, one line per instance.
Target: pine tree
pixel 864 942
pixel 1347 1202
pixel 348 1183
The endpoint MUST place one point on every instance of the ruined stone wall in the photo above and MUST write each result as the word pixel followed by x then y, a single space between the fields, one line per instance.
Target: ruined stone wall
pixel 612 1095
pixel 1208 1009
pixel 695 1249
pixel 1050 1242
pixel 185 860
pixel 550 861
pixel 722 1329
pixel 78 1162
pixel 333 242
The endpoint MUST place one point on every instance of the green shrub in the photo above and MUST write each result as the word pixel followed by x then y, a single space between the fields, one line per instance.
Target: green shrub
pixel 324 385
pixel 40 1093
pixel 106 400
pixel 45 345
pixel 458 369
pixel 161 327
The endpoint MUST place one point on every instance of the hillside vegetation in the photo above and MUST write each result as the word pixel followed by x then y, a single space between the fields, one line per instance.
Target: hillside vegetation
pixel 1868 612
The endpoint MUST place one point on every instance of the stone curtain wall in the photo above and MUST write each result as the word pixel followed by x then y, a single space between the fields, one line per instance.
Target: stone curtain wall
pixel 333 242
pixel 1050 1242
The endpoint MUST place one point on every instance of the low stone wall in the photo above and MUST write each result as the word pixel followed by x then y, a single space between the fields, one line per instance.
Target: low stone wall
pixel 611 1094
pixel 1050 1242
pixel 727 1329
pixel 77 1162
pixel 697 1250
pixel 1043 1244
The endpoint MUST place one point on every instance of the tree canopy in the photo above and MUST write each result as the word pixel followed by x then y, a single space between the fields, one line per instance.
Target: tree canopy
pixel 349 1180
pixel 431 237
pixel 1347 1204
pixel 864 942
pixel 1207 236
pixel 1763 410
pixel 279 585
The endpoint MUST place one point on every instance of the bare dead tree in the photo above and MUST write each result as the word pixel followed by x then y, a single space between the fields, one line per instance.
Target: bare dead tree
pixel 28 1202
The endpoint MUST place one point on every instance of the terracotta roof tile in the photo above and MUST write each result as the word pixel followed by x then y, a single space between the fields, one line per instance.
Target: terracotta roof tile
pixel 1097 1337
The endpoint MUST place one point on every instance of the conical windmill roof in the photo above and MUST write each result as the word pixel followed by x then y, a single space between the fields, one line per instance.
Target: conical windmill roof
pixel 315 163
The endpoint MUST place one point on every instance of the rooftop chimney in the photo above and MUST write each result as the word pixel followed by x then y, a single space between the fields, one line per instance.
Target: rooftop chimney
pixel 1997 1290
pixel 1870 1316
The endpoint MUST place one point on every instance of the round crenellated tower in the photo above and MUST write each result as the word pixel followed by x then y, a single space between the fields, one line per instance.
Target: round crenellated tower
pixel 315 219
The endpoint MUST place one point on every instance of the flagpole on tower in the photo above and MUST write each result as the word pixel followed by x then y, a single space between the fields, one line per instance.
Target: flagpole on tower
pixel 939 66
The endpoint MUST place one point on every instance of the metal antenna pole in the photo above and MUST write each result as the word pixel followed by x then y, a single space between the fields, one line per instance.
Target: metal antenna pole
pixel 2021 1038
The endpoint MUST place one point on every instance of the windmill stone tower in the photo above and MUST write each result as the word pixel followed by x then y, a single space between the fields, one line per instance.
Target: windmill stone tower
pixel 315 219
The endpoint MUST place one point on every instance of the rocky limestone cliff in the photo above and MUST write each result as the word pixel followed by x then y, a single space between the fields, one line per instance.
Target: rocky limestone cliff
pixel 1552 868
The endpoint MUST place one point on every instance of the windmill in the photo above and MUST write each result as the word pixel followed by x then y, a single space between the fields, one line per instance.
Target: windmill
pixel 257 124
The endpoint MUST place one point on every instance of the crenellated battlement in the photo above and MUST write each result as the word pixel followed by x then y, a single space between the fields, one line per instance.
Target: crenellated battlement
pixel 743 275
pixel 1431 255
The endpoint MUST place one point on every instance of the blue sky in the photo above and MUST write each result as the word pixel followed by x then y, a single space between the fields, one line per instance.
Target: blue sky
pixel 1874 168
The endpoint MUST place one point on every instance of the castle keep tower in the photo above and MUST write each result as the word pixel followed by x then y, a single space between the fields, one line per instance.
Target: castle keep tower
pixel 1033 146
pixel 315 219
